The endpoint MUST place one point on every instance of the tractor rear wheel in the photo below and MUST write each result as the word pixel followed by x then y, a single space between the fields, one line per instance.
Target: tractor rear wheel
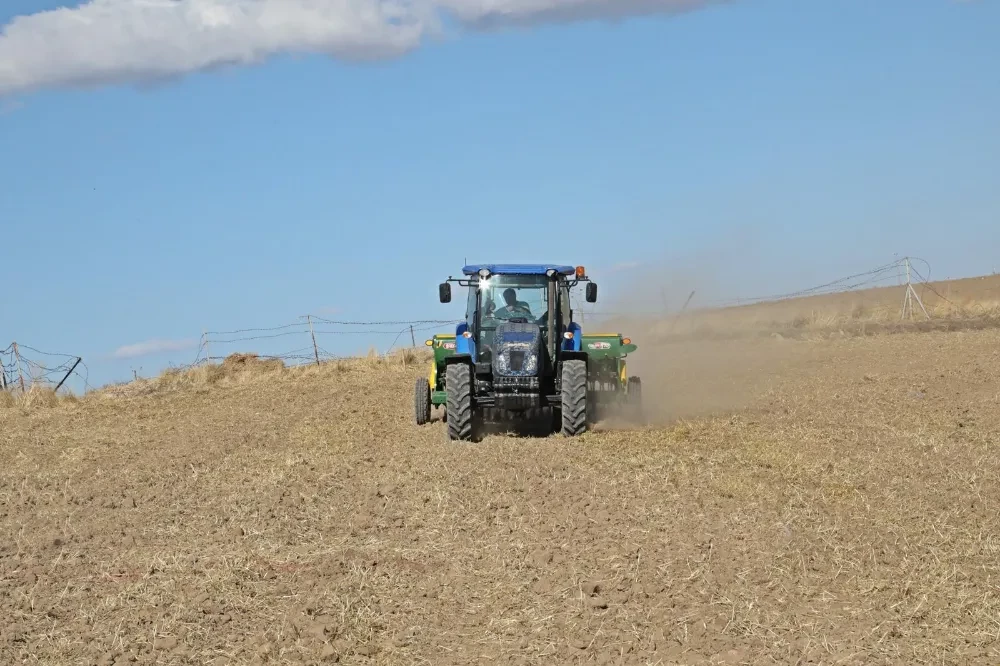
pixel 574 398
pixel 458 379
pixel 422 402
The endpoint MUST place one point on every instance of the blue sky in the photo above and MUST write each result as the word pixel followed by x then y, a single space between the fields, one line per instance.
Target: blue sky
pixel 756 146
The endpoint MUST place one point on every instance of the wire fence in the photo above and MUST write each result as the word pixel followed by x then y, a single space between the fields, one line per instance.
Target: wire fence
pixel 306 341
pixel 23 368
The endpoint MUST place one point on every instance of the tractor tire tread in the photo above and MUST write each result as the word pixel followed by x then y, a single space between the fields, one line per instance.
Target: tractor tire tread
pixel 422 402
pixel 574 398
pixel 458 379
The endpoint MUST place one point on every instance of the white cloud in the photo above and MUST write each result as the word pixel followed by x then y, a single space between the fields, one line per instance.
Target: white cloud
pixel 143 41
pixel 117 41
pixel 495 13
pixel 149 347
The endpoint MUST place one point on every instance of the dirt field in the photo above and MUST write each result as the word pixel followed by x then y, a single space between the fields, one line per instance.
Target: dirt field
pixel 791 502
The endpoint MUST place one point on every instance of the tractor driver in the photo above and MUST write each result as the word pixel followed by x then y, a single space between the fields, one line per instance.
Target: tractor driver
pixel 514 307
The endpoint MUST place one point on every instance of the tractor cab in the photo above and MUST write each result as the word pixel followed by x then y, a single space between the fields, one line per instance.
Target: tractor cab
pixel 499 296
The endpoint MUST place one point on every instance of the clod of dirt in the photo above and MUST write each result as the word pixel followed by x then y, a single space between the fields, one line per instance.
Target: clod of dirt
pixel 385 490
pixel 329 653
pixel 597 602
pixel 590 588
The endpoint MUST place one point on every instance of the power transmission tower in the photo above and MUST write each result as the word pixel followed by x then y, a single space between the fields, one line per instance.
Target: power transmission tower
pixel 910 295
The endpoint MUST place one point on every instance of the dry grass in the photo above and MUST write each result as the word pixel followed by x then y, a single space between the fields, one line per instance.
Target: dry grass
pixel 791 502
pixel 36 396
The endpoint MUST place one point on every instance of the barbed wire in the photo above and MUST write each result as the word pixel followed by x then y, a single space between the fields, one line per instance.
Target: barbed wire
pixel 23 367
pixel 310 329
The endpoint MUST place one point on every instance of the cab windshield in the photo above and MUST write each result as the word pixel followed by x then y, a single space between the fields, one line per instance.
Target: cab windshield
pixel 500 298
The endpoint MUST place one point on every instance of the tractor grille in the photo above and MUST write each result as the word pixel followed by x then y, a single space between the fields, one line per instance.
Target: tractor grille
pixel 522 383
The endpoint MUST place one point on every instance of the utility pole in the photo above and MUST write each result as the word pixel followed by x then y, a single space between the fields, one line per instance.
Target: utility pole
pixel 312 333
pixel 413 338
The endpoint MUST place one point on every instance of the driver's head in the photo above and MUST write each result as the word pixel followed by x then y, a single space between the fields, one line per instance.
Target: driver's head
pixel 510 297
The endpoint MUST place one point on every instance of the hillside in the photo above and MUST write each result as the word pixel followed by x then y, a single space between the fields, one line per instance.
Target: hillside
pixel 811 501
pixel 967 303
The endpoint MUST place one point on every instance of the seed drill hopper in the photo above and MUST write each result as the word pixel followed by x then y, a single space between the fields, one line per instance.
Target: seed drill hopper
pixel 609 386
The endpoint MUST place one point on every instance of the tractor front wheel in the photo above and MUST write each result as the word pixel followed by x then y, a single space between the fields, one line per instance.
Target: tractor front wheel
pixel 574 398
pixel 422 402
pixel 458 379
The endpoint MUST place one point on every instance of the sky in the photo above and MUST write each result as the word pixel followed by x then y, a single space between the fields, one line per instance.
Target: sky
pixel 170 167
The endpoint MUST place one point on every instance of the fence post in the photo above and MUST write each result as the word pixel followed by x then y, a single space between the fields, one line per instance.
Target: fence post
pixel 20 373
pixel 413 338
pixel 313 334
pixel 78 359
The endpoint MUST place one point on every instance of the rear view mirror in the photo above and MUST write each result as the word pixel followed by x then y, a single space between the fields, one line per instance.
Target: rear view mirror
pixel 591 292
pixel 444 292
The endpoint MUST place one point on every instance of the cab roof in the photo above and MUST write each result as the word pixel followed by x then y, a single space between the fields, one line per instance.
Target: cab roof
pixel 519 269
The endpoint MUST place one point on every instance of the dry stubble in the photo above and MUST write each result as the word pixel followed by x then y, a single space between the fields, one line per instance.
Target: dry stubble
pixel 839 510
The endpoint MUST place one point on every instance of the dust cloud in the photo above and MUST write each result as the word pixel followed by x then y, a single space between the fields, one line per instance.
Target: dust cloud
pixel 698 361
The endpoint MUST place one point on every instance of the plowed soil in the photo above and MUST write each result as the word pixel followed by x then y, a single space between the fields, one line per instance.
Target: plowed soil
pixel 790 501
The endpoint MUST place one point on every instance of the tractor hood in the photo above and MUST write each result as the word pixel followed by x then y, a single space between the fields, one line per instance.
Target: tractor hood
pixel 516 350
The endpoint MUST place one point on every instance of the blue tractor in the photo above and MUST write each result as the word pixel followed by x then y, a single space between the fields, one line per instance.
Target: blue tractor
pixel 518 354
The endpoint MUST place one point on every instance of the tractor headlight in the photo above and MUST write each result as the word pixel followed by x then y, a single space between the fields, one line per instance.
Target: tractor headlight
pixel 568 335
pixel 550 272
pixel 484 273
